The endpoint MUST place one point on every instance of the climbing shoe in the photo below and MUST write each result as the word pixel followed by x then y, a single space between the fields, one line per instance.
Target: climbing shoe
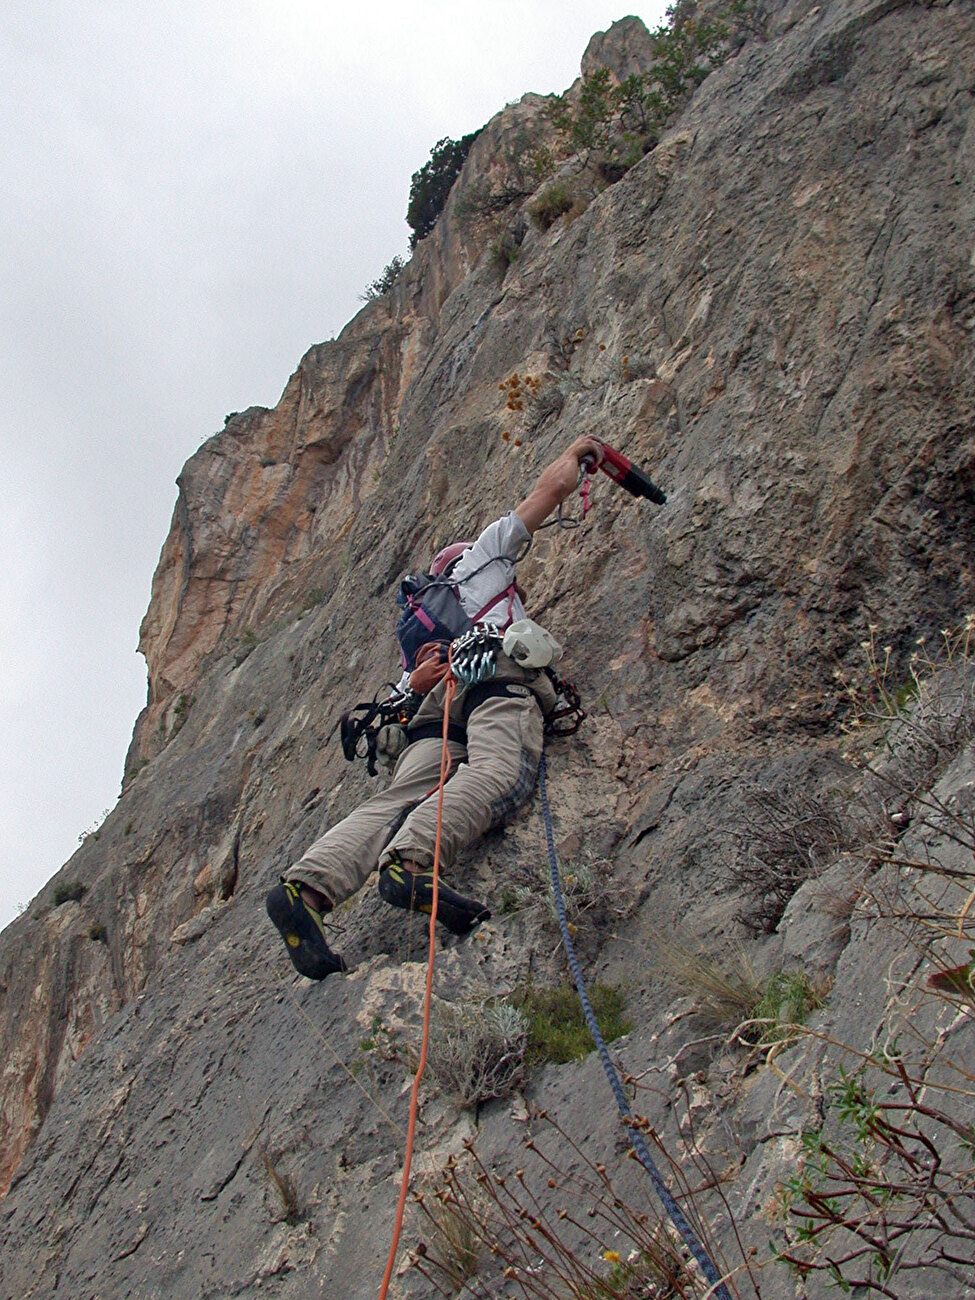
pixel 414 891
pixel 301 928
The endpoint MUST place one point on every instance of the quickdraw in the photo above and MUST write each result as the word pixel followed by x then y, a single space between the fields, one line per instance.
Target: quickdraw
pixel 568 715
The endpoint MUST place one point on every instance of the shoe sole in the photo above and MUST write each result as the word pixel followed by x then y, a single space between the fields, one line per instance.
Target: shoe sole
pixel 458 914
pixel 302 938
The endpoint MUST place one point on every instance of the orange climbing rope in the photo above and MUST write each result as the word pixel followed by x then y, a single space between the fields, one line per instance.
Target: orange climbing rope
pixel 451 686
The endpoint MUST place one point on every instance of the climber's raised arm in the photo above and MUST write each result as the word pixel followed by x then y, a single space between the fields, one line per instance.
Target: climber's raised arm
pixel 556 482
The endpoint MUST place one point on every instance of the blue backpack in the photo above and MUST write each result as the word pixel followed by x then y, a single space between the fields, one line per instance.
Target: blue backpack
pixel 432 612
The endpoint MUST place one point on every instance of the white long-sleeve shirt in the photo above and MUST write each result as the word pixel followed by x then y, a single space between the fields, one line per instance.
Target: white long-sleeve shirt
pixel 490 562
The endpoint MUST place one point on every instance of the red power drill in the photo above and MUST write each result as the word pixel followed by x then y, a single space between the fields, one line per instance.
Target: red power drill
pixel 625 473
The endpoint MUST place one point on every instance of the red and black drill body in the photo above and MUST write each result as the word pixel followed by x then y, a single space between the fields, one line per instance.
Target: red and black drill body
pixel 625 473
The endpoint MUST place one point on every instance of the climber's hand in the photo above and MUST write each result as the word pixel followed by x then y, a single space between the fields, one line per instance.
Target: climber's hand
pixel 557 481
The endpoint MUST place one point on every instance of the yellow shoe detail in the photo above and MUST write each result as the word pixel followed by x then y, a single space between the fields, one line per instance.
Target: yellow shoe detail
pixel 292 940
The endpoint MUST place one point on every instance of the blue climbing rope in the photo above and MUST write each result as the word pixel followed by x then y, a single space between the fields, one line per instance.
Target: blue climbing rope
pixel 677 1216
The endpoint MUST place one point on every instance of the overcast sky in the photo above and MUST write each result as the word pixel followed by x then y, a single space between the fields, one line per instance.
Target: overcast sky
pixel 193 194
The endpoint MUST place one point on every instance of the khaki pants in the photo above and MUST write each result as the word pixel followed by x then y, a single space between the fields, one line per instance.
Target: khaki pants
pixel 490 776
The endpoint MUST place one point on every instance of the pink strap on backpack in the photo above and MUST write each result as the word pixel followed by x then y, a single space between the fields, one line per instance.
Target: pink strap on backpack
pixel 510 593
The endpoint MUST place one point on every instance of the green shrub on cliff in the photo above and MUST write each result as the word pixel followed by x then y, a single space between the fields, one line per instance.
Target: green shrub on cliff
pixel 618 124
pixel 557 1026
pixel 383 283
pixel 551 204
pixel 433 182
pixel 69 892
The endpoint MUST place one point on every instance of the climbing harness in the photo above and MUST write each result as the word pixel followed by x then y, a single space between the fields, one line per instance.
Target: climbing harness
pixel 676 1214
pixel 360 727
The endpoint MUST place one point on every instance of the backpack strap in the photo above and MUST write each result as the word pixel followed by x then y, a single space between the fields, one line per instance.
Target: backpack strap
pixel 421 614
pixel 510 593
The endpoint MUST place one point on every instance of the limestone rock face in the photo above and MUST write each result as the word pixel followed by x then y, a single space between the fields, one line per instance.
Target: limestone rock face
pixel 625 49
pixel 772 312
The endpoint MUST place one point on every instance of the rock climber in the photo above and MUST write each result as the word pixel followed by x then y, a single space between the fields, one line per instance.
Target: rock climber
pixel 495 742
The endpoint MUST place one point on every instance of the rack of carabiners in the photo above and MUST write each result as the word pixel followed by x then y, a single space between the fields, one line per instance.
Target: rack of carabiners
pixel 474 654
pixel 474 659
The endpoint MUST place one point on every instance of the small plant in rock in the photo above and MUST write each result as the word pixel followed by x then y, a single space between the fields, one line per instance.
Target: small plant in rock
pixel 589 892
pixel 788 998
pixel 749 17
pixel 726 988
pixel 278 1180
pixel 905 733
pixel 381 1041
pixel 478 1050
pixel 455 1244
pixel 515 389
pixel 93 831
pixel 280 1183
pixel 554 201
pixel 786 838
pixel 655 1273
pixel 886 1187
pixel 249 642
pixel 884 1198
pixel 506 247
pixel 181 711
pixel 314 597
pixel 924 716
pixel 729 995
pixel 593 899
pixel 519 395
pixel 69 891
pixel 557 1027
pixel 370 1041
pixel 552 1223
pixel 283 1186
